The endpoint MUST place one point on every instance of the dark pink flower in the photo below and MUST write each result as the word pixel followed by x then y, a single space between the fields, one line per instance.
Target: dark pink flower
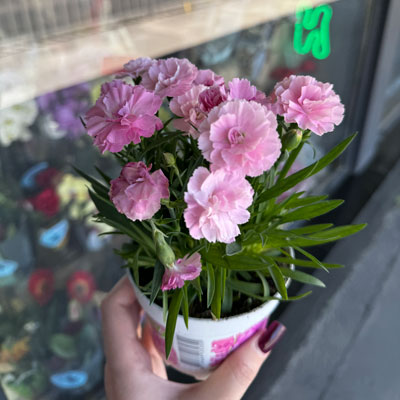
pixel 184 269
pixel 170 77
pixel 81 286
pixel 137 67
pixel 311 104
pixel 212 97
pixel 137 193
pixel 187 107
pixel 207 77
pixel 122 115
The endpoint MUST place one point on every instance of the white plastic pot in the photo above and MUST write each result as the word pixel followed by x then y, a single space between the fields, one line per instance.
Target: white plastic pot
pixel 206 343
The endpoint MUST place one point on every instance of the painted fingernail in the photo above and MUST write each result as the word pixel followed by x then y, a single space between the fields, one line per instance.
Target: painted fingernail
pixel 271 336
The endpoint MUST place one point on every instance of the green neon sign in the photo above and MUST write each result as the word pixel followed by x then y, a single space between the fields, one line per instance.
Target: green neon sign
pixel 317 40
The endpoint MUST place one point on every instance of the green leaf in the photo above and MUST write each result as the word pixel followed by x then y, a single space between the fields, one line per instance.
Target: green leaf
pixel 185 306
pixel 300 296
pixel 249 288
pixel 310 229
pixel 264 283
pixel 233 248
pixel 294 179
pixel 197 285
pixel 311 211
pixel 305 201
pixel 165 305
pixel 217 299
pixel 171 320
pixel 337 233
pixel 301 277
pixel 98 187
pixel 105 177
pixel 279 280
pixel 304 263
pixel 156 281
pixel 210 283
pixel 135 266
pixel 310 257
pixel 223 283
pixel 227 301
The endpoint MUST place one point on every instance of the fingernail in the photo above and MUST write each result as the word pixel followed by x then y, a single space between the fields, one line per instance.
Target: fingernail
pixel 271 336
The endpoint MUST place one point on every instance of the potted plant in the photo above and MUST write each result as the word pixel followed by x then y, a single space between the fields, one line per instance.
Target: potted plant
pixel 212 242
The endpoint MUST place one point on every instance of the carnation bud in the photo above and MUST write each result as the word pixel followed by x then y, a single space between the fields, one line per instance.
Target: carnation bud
pixel 169 159
pixel 292 139
pixel 164 252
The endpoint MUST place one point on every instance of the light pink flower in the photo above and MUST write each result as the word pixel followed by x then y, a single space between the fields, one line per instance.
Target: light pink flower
pixel 311 104
pixel 170 77
pixel 216 203
pixel 184 269
pixel 207 77
pixel 137 67
pixel 212 97
pixel 187 106
pixel 242 89
pixel 137 193
pixel 241 136
pixel 122 114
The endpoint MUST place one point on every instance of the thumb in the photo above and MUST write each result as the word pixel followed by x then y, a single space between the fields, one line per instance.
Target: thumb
pixel 237 372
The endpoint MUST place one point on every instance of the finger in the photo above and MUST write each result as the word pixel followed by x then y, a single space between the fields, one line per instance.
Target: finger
pixel 157 362
pixel 120 320
pixel 235 374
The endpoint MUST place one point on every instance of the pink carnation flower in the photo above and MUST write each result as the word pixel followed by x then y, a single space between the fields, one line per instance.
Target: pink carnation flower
pixel 311 104
pixel 207 77
pixel 122 114
pixel 216 203
pixel 212 97
pixel 241 136
pixel 170 77
pixel 137 193
pixel 137 67
pixel 184 269
pixel 242 89
pixel 187 106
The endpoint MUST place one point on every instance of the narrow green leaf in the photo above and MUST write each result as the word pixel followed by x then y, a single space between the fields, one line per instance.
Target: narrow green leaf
pixel 249 288
pixel 264 283
pixel 279 280
pixel 310 229
pixel 165 305
pixel 98 187
pixel 227 301
pixel 135 266
pixel 305 173
pixel 311 211
pixel 233 248
pixel 156 281
pixel 171 320
pixel 210 283
pixel 223 283
pixel 197 285
pixel 338 232
pixel 310 257
pixel 217 299
pixel 185 306
pixel 305 201
pixel 105 177
pixel 304 263
pixel 301 277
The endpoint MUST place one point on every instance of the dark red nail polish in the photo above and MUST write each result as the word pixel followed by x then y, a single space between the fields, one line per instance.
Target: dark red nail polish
pixel 271 336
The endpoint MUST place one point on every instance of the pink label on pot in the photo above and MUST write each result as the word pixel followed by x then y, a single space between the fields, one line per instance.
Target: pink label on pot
pixel 222 347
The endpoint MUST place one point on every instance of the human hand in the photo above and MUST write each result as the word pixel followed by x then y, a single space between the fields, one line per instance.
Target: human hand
pixel 134 370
